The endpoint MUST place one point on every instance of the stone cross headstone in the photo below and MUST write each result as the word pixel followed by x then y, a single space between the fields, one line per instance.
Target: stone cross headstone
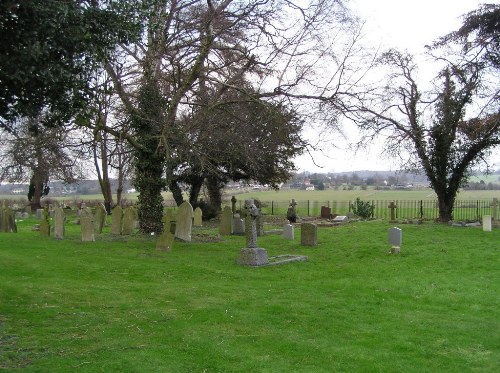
pixel 87 225
pixel 308 234
pixel 393 208
pixel 129 219
pixel 45 223
pixel 288 232
pixel 116 220
pixel 59 223
pixel 233 204
pixel 395 237
pixel 99 218
pixel 226 222
pixel 198 217
pixel 165 241
pixel 487 223
pixel 184 225
pixel 252 255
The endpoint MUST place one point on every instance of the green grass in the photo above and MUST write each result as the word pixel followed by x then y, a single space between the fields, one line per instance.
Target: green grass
pixel 117 305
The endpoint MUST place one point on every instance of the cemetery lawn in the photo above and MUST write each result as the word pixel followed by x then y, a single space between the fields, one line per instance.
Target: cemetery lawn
pixel 118 305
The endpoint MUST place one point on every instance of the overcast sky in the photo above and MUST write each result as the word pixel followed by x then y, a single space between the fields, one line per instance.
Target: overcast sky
pixel 404 24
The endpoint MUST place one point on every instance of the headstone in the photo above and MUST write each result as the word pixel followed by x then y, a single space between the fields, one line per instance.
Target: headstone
pixel 238 226
pixel 116 220
pixel 129 219
pixel 393 208
pixel 59 223
pixel 169 222
pixel 99 218
pixel 198 217
pixel 166 240
pixel 7 219
pixel 226 222
pixel 308 234
pixel 87 225
pixel 494 209
pixel 487 223
pixel 45 223
pixel 288 232
pixel 233 204
pixel 252 255
pixel 326 212
pixel 395 239
pixel 39 214
pixel 184 225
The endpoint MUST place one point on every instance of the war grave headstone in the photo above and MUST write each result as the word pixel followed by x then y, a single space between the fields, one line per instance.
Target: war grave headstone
pixel 45 223
pixel 226 222
pixel 395 237
pixel 7 219
pixel 393 208
pixel 59 223
pixel 238 225
pixel 198 217
pixel 308 234
pixel 288 232
pixel 99 218
pixel 128 222
pixel 87 225
pixel 487 223
pixel 184 225
pixel 116 220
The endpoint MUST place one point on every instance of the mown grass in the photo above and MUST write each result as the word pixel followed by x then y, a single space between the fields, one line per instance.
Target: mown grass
pixel 117 305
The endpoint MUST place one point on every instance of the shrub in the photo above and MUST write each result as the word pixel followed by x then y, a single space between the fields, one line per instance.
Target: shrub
pixel 363 209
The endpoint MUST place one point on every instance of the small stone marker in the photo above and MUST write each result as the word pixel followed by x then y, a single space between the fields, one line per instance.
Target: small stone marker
pixel 100 218
pixel 59 223
pixel 309 234
pixel 45 223
pixel 487 223
pixel 87 225
pixel 393 208
pixel 288 232
pixel 395 239
pixel 226 222
pixel 129 219
pixel 116 220
pixel 238 226
pixel 340 219
pixel 39 214
pixel 184 225
pixel 198 217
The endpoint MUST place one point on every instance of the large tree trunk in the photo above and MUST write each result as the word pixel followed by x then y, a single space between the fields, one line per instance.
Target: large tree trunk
pixel 446 203
pixel 176 192
pixel 103 173
pixel 194 191
pixel 214 187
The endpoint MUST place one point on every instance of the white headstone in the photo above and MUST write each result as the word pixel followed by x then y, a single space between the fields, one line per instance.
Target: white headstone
pixel 341 218
pixel 395 239
pixel 487 223
pixel 288 232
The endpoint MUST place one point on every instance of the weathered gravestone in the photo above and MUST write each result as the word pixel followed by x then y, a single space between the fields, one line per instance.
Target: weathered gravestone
pixel 395 239
pixel 45 223
pixel 7 219
pixel 198 217
pixel 487 223
pixel 184 225
pixel 99 218
pixel 87 225
pixel 252 255
pixel 129 219
pixel 166 240
pixel 59 223
pixel 393 208
pixel 116 220
pixel 226 222
pixel 238 225
pixel 326 212
pixel 39 214
pixel 308 234
pixel 340 219
pixel 288 232
pixel 494 213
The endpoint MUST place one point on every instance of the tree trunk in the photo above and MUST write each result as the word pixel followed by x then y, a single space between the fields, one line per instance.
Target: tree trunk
pixel 214 187
pixel 445 204
pixel 176 192
pixel 194 191
pixel 103 173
